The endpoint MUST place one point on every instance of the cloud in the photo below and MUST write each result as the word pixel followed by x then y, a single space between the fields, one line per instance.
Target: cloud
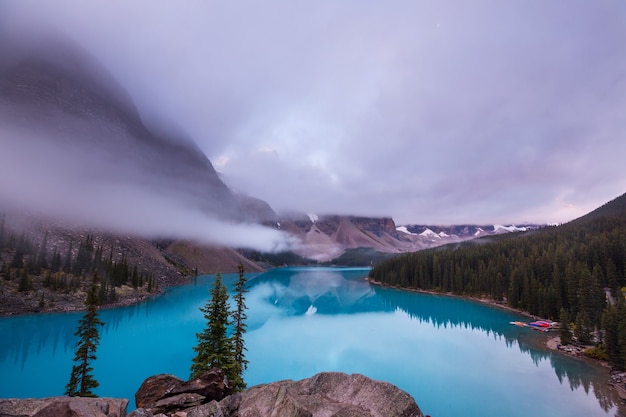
pixel 440 112
pixel 79 187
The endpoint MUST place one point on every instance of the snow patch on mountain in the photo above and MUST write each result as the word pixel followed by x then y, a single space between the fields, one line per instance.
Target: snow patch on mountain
pixel 313 217
pixel 512 228
pixel 429 233
pixel 403 229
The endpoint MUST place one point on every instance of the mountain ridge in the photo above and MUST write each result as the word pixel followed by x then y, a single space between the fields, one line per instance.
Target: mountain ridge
pixel 325 238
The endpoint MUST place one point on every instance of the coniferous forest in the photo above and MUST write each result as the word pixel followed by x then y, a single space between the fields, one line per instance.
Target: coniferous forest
pixel 34 267
pixel 575 273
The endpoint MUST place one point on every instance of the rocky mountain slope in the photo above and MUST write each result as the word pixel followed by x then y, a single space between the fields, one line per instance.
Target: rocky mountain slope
pixel 166 263
pixel 55 97
pixel 325 238
pixel 71 134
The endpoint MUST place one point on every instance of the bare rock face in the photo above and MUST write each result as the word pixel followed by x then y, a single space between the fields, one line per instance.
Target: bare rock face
pixel 328 394
pixel 64 407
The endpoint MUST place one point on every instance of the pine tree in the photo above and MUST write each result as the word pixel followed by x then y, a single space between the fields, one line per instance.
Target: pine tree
pixel 239 323
pixel 57 262
pixel 214 348
pixel 81 380
pixel 565 333
pixel 582 330
pixel 611 325
pixel 25 283
pixel 67 263
pixel 43 254
pixel 2 231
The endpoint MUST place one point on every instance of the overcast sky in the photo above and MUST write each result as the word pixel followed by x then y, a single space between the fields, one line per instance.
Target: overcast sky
pixel 439 112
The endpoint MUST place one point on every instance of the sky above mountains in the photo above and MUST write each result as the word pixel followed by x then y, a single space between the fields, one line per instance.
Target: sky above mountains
pixel 438 112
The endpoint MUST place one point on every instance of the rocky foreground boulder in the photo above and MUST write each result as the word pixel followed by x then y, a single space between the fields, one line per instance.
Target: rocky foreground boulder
pixel 163 394
pixel 63 407
pixel 328 394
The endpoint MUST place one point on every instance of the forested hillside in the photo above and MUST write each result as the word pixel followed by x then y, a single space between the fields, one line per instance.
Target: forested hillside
pixel 51 273
pixel 571 272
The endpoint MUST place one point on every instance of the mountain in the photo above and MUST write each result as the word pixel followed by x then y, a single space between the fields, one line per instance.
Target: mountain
pixel 328 237
pixel 54 95
pixel 66 122
pixel 458 233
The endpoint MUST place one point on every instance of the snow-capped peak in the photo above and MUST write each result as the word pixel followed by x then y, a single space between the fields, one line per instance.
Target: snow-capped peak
pixel 443 234
pixel 313 217
pixel 429 233
pixel 511 228
pixel 403 229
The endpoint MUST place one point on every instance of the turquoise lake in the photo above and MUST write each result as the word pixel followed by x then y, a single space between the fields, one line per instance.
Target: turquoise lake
pixel 455 357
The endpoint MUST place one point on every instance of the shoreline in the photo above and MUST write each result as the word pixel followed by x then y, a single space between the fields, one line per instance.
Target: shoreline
pixel 75 302
pixel 465 297
pixel 615 381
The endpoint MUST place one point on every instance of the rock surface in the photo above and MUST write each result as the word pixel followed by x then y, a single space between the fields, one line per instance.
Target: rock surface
pixel 328 394
pixel 167 393
pixel 63 407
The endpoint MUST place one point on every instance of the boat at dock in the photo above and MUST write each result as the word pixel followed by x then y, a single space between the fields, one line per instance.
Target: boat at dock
pixel 539 325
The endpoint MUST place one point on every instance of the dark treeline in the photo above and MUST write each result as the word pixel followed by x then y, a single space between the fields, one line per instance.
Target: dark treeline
pixel 25 261
pixel 564 273
pixel 443 311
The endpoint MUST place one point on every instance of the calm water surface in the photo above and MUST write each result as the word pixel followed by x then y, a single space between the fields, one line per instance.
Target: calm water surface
pixel 456 357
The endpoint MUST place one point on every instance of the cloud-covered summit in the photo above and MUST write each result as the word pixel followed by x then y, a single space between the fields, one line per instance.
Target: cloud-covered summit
pixel 75 152
pixel 430 112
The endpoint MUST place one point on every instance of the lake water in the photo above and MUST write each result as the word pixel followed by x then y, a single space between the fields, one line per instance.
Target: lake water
pixel 455 357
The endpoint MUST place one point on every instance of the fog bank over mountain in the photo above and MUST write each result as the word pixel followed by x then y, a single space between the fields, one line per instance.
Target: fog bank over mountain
pixel 75 151
pixel 429 112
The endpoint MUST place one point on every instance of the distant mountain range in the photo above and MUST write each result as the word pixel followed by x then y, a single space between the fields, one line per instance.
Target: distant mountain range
pixel 54 95
pixel 327 237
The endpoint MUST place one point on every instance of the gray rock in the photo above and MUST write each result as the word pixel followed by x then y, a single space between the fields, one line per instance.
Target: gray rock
pixel 63 406
pixel 168 394
pixel 329 394
pixel 212 384
pixel 141 412
pixel 155 388
pixel 177 402
pixel 211 409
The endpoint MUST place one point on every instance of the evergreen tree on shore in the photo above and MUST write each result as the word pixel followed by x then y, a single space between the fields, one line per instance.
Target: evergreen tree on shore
pixel 565 332
pixel 214 348
pixel 81 381
pixel 239 323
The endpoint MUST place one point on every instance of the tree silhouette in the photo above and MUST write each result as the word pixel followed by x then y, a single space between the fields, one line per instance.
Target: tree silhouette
pixel 81 379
